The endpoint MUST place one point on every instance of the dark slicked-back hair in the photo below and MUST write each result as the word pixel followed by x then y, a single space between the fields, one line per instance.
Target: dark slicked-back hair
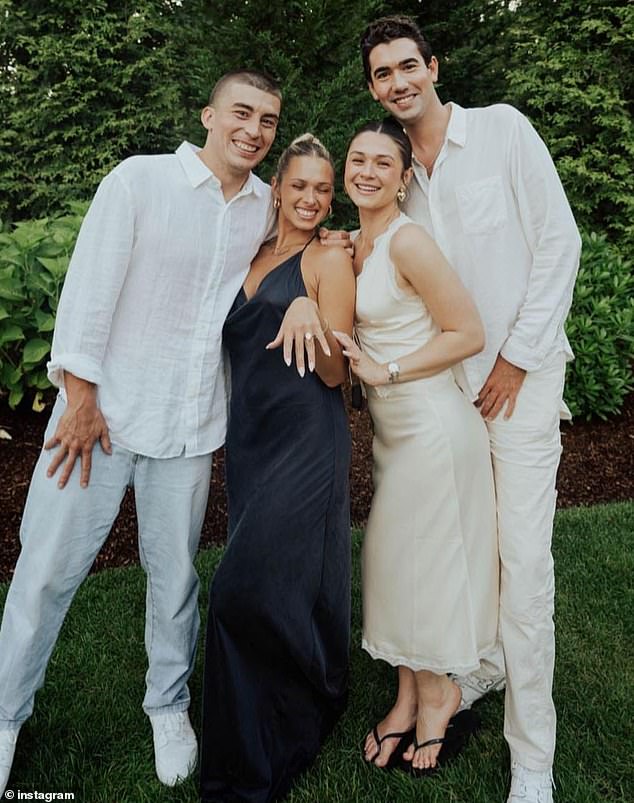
pixel 387 29
pixel 394 130
pixel 254 78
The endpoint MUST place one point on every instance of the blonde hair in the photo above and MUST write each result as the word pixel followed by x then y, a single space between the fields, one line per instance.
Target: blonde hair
pixel 305 145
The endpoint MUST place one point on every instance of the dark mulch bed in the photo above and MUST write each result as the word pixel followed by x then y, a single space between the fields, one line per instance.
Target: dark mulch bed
pixel 597 466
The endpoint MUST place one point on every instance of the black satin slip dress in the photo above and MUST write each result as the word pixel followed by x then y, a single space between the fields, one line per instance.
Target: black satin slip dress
pixel 278 631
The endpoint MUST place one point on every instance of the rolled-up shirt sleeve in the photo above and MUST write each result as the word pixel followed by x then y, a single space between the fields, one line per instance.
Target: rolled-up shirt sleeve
pixel 96 273
pixel 553 238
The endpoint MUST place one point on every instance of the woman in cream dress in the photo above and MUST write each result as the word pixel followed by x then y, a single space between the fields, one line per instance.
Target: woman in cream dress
pixel 430 562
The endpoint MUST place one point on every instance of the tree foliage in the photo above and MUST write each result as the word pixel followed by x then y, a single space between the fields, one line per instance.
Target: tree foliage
pixel 572 72
pixel 83 85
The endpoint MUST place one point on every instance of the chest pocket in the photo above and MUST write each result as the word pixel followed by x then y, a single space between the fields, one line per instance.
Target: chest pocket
pixel 481 205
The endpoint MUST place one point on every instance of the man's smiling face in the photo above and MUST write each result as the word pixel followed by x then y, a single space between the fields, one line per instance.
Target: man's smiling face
pixel 242 124
pixel 400 80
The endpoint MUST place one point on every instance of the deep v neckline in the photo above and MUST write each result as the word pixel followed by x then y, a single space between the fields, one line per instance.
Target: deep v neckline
pixel 274 269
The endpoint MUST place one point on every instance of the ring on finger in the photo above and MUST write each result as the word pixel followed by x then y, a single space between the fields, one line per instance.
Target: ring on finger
pixel 308 336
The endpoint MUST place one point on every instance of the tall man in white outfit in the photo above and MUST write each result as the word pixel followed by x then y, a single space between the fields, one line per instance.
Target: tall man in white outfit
pixel 162 252
pixel 486 189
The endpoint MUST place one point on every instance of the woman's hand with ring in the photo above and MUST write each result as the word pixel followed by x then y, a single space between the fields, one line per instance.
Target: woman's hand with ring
pixel 299 330
pixel 367 369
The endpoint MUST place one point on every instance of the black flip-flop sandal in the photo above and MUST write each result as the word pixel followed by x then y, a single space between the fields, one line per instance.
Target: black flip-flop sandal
pixel 404 737
pixel 461 726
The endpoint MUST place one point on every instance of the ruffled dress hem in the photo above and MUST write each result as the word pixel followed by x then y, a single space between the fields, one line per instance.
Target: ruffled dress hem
pixel 409 662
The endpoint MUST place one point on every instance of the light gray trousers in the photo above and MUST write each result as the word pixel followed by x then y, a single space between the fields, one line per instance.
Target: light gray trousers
pixel 61 534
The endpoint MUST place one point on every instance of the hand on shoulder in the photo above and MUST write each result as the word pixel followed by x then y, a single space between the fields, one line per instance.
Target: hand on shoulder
pixel 329 260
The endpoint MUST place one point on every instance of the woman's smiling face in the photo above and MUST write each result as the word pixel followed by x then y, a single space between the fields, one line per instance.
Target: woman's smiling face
pixel 305 191
pixel 374 170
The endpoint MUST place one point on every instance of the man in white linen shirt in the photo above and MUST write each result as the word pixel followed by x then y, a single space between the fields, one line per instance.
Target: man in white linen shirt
pixel 486 189
pixel 162 252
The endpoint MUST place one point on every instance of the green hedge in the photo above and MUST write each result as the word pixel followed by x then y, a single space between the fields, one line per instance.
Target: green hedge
pixel 83 85
pixel 601 330
pixel 33 261
pixel 34 256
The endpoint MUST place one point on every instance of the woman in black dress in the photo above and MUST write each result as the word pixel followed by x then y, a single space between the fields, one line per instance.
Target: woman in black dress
pixel 276 664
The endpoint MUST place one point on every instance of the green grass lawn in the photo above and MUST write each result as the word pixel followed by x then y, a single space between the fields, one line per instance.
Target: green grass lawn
pixel 89 735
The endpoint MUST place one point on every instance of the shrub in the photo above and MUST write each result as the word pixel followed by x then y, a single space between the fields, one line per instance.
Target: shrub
pixel 34 257
pixel 33 261
pixel 601 330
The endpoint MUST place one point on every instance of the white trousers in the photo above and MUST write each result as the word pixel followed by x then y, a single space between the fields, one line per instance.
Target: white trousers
pixel 525 450
pixel 61 534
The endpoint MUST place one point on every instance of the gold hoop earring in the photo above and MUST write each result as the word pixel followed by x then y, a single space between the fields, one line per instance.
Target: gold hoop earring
pixel 329 211
pixel 401 195
pixel 276 203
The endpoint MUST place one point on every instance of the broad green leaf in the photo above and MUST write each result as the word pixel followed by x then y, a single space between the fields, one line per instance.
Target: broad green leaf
pixel 44 320
pixel 35 350
pixel 10 376
pixel 56 265
pixel 15 397
pixel 11 289
pixel 10 332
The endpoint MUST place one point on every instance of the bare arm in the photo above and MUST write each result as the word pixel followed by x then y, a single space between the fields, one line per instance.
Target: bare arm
pixel 422 269
pixel 78 429
pixel 333 289
pixel 329 305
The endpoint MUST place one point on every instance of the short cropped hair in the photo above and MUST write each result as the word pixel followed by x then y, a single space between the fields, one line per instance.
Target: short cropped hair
pixel 254 78
pixel 387 29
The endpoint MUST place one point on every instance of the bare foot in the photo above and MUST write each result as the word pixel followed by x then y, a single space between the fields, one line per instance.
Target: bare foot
pixel 400 719
pixel 436 707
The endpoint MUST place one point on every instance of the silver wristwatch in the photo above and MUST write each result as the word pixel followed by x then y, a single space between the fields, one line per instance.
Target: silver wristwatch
pixel 393 371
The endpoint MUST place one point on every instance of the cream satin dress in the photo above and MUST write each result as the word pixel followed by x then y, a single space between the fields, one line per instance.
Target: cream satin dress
pixel 430 560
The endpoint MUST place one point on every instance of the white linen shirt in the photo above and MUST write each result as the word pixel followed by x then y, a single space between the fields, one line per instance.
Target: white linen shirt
pixel 497 209
pixel 158 262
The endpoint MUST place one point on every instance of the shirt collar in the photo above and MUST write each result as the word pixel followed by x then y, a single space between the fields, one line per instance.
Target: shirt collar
pixel 456 128
pixel 197 171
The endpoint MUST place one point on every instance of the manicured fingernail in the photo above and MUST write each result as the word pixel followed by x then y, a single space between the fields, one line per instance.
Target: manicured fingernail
pixel 311 366
pixel 327 352
pixel 301 371
pixel 287 360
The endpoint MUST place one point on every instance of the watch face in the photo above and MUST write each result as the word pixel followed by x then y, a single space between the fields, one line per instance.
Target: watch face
pixel 393 370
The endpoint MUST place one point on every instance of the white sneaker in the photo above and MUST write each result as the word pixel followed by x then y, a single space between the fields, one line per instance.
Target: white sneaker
pixel 8 741
pixel 175 747
pixel 473 687
pixel 528 786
